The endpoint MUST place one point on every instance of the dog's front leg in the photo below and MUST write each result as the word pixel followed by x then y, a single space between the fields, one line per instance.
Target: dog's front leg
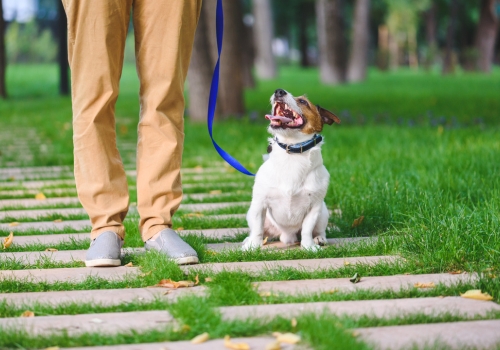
pixel 255 218
pixel 308 225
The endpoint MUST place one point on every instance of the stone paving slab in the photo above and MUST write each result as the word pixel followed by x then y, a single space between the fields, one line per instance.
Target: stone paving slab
pixel 257 343
pixel 48 225
pixel 457 335
pixel 195 170
pixel 374 308
pixel 32 202
pixel 36 176
pixel 74 275
pixel 36 184
pixel 32 192
pixel 212 206
pixel 303 264
pixel 64 256
pixel 395 283
pixel 52 239
pixel 203 196
pixel 107 297
pixel 105 323
pixel 36 169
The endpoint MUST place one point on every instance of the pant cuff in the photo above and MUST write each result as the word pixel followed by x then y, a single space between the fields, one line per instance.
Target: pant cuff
pixel 119 231
pixel 153 230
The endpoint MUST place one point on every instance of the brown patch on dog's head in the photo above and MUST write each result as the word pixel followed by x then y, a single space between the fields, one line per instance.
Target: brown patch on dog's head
pixel 315 116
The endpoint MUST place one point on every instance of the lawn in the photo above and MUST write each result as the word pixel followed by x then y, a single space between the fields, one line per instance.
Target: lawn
pixel 418 155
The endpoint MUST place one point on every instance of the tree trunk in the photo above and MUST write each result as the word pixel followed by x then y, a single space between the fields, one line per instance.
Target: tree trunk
pixel 359 53
pixel 431 34
pixel 448 64
pixel 486 35
pixel 3 58
pixel 265 63
pixel 63 51
pixel 303 15
pixel 200 70
pixel 331 41
pixel 231 81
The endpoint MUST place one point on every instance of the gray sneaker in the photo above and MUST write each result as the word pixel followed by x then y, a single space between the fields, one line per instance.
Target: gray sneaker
pixel 169 243
pixel 105 250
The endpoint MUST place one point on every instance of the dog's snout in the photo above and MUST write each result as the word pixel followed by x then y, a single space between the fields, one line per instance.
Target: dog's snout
pixel 280 93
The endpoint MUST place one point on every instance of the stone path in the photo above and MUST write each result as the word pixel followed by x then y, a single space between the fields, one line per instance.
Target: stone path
pixel 23 182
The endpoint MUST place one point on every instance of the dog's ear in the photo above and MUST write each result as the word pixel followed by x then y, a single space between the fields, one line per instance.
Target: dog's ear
pixel 327 117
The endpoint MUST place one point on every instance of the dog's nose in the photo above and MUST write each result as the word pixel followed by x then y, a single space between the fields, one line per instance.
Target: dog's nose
pixel 280 93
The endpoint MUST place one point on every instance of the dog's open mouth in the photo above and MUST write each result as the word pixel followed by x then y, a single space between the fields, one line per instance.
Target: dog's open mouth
pixel 284 117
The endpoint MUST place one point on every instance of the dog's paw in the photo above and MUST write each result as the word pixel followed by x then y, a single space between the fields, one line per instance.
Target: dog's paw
pixel 311 247
pixel 251 244
pixel 321 241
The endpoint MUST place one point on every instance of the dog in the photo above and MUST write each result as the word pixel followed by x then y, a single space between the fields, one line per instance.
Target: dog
pixel 290 187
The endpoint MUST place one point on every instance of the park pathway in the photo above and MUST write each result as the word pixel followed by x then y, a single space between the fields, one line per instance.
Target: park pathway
pixel 214 197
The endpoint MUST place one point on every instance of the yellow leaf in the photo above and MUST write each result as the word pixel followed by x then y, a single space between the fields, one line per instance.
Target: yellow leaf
pixel 197 215
pixel 457 272
pixel 58 220
pixel 235 346
pixel 130 264
pixel 275 345
pixel 265 294
pixel 179 229
pixel 168 283
pixel 477 295
pixel 208 279
pixel 331 291
pixel 196 280
pixel 12 224
pixel 293 322
pixel 264 241
pixel 52 348
pixel 424 285
pixel 51 250
pixel 200 338
pixel 288 338
pixel 40 196
pixel 357 221
pixel 216 192
pixel 7 241
pixel 28 313
pixel 346 263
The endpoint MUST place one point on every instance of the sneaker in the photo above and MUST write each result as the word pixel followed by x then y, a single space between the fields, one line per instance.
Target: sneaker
pixel 105 250
pixel 168 242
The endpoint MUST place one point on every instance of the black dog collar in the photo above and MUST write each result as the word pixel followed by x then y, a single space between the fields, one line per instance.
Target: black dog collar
pixel 300 147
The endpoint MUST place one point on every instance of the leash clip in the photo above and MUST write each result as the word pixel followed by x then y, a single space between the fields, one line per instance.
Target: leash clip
pixel 287 149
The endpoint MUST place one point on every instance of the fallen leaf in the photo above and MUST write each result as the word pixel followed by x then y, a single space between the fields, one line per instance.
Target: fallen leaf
pixel 264 241
pixel 168 283
pixel 52 348
pixel 28 313
pixel 215 192
pixel 458 272
pixel 356 278
pixel 288 338
pixel 196 280
pixel 211 252
pixel 7 241
pixel 197 215
pixel 424 285
pixel 346 263
pixel 58 220
pixel 331 291
pixel 145 274
pixel 198 168
pixel 357 221
pixel 355 334
pixel 275 345
pixel 130 264
pixel 12 224
pixel 208 279
pixel 265 294
pixel 179 229
pixel 51 250
pixel 40 196
pixel 235 346
pixel 200 338
pixel 293 322
pixel 476 294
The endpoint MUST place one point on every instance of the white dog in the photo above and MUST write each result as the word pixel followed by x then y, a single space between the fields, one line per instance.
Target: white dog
pixel 290 187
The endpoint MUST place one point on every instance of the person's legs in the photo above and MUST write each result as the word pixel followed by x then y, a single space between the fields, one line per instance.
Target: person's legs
pixel 96 39
pixel 164 35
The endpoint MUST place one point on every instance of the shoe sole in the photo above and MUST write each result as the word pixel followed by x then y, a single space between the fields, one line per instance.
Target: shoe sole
pixel 187 260
pixel 103 263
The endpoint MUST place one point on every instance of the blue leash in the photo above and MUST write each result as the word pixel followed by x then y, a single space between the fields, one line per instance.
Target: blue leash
pixel 214 88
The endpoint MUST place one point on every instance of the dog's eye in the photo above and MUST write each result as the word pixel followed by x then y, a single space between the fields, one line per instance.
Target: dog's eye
pixel 304 102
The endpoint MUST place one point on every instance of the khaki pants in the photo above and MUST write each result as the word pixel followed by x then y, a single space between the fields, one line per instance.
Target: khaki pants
pixel 164 34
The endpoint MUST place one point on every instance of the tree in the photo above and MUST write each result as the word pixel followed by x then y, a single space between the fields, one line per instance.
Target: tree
pixel 486 35
pixel 449 64
pixel 231 82
pixel 431 34
pixel 358 61
pixel 63 51
pixel 265 63
pixel 3 60
pixel 200 70
pixel 332 42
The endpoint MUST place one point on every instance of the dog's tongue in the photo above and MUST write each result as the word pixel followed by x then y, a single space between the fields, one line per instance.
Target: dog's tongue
pixel 278 117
